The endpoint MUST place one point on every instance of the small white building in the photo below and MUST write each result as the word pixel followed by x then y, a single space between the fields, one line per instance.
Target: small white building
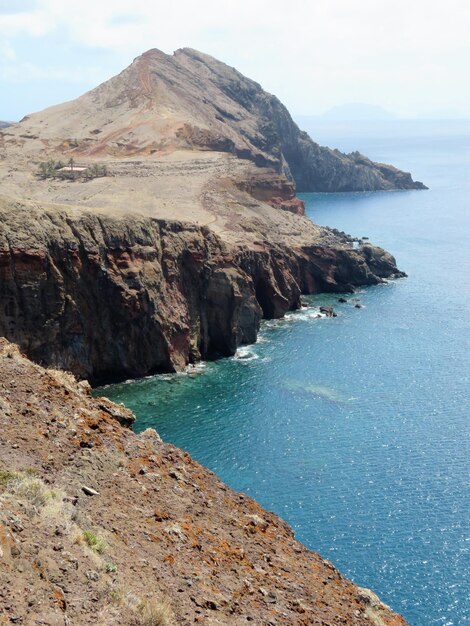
pixel 72 168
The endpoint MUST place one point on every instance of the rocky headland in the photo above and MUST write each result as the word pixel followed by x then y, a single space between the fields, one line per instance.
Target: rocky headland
pixel 193 233
pixel 110 298
pixel 189 100
pixel 149 224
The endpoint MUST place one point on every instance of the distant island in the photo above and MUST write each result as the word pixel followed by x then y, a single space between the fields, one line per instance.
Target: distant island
pixel 358 111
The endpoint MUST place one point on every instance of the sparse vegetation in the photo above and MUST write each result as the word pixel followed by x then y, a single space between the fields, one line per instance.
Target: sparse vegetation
pixel 55 169
pixel 31 489
pixel 6 476
pixel 111 568
pixel 116 595
pixel 155 612
pixel 95 171
pixel 48 169
pixel 95 542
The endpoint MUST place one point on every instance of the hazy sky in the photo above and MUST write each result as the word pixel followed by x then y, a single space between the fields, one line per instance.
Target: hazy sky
pixel 411 57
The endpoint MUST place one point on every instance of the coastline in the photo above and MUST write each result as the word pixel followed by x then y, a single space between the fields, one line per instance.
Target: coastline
pixel 188 545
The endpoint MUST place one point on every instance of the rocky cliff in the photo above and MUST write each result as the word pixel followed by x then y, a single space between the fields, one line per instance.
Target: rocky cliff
pixel 102 526
pixel 191 236
pixel 110 298
pixel 191 100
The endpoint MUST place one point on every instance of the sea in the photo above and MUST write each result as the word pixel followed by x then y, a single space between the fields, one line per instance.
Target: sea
pixel 355 429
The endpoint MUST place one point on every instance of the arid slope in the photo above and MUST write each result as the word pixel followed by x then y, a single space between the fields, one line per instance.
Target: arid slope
pixel 101 526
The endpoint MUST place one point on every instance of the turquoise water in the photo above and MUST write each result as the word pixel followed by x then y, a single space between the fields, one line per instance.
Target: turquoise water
pixel 356 429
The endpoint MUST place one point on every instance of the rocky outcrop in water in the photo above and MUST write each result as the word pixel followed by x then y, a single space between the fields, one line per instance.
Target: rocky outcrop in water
pixel 102 526
pixel 110 298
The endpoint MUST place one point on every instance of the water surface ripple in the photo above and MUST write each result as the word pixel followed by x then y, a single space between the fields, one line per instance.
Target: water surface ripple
pixel 356 429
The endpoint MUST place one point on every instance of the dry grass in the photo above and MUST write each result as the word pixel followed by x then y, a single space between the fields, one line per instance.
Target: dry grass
pixel 59 512
pixel 32 489
pixel 6 477
pixel 155 612
pixel 94 541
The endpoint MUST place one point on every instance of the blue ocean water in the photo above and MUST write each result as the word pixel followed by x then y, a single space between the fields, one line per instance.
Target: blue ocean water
pixel 356 429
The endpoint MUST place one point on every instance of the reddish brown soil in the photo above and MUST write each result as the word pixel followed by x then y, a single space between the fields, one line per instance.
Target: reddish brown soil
pixel 168 530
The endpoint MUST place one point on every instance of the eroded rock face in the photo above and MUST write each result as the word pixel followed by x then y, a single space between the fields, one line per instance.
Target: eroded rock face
pixel 110 298
pixel 276 190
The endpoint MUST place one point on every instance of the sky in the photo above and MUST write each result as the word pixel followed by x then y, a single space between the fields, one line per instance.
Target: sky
pixel 411 57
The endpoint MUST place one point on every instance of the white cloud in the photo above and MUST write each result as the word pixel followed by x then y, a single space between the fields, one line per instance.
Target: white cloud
pixel 7 53
pixel 34 23
pixel 26 72
pixel 312 53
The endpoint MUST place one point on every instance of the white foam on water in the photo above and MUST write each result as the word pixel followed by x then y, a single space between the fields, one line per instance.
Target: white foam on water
pixel 305 314
pixel 246 353
pixel 193 369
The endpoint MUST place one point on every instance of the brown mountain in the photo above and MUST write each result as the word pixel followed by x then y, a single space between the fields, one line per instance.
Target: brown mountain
pixel 190 100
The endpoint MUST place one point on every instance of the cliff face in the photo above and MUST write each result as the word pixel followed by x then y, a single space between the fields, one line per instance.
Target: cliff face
pixel 110 298
pixel 101 526
pixel 190 100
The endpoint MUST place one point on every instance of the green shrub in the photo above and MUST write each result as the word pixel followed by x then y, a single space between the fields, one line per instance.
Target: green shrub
pixel 94 541
pixel 111 568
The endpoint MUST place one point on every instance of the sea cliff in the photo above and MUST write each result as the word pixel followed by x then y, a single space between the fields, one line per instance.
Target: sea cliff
pixel 112 298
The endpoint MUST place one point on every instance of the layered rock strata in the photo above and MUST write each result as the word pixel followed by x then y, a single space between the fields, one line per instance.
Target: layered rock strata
pixel 111 298
pixel 102 526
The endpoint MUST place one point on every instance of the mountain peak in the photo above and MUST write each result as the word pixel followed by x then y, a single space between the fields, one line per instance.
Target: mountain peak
pixel 190 100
